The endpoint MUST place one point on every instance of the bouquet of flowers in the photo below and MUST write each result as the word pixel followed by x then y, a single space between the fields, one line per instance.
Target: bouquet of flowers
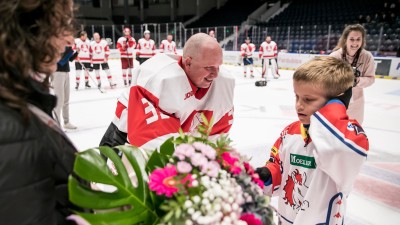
pixel 190 180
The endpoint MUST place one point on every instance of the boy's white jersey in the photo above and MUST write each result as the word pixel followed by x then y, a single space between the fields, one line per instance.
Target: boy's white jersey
pixel 312 175
pixel 100 51
pixel 268 50
pixel 146 48
pixel 247 49
pixel 168 47
pixel 84 52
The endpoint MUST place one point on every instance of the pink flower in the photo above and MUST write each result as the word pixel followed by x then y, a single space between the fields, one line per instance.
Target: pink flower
pixel 211 169
pixel 256 179
pixel 198 159
pixel 183 167
pixel 250 219
pixel 162 181
pixel 228 159
pixel 249 168
pixel 205 149
pixel 187 181
pixel 235 170
pixel 184 150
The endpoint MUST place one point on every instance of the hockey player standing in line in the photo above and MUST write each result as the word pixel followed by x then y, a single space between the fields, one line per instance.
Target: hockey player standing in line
pixel 315 161
pixel 82 46
pixel 269 54
pixel 126 46
pixel 170 92
pixel 100 52
pixel 246 51
pixel 351 49
pixel 146 48
pixel 168 45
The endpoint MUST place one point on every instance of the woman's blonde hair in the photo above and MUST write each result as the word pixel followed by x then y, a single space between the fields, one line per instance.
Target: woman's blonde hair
pixel 331 74
pixel 27 28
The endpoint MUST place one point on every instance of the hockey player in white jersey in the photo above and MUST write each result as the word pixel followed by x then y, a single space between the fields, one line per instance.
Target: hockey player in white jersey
pixel 100 51
pixel 126 46
pixel 315 161
pixel 246 51
pixel 170 92
pixel 146 47
pixel 269 53
pixel 168 45
pixel 82 45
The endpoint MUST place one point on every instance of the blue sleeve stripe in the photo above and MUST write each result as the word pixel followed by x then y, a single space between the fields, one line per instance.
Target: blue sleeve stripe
pixel 339 137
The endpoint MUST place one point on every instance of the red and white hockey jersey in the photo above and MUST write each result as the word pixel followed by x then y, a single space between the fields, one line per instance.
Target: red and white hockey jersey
pixel 84 53
pixel 146 48
pixel 126 46
pixel 168 47
pixel 162 100
pixel 247 50
pixel 99 51
pixel 268 51
pixel 313 175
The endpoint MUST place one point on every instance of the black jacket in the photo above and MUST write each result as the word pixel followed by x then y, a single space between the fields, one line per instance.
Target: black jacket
pixel 35 162
pixel 68 56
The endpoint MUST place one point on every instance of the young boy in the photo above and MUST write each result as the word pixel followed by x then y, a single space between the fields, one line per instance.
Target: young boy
pixel 314 163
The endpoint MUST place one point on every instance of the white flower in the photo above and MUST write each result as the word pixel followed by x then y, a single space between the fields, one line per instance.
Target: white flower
pixel 196 215
pixel 195 183
pixel 198 159
pixel 188 204
pixel 183 167
pixel 190 211
pixel 188 222
pixel 196 199
pixel 205 149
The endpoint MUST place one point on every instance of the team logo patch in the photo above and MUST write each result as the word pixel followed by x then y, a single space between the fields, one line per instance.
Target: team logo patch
pixel 303 161
pixel 295 190
pixel 350 126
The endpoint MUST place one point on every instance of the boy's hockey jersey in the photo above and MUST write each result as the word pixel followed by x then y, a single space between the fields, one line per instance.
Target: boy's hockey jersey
pixel 84 52
pixel 313 174
pixel 247 50
pixel 162 100
pixel 100 51
pixel 146 48
pixel 126 46
pixel 268 50
pixel 168 47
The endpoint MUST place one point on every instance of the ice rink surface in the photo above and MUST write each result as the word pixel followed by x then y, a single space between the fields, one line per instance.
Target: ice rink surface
pixel 261 113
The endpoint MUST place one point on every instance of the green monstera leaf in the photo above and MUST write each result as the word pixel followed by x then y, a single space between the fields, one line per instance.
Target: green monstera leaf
pixel 129 204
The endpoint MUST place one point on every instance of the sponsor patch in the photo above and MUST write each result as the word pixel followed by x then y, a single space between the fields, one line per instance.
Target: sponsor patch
pixel 303 161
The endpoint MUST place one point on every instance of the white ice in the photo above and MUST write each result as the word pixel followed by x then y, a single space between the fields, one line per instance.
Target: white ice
pixel 260 115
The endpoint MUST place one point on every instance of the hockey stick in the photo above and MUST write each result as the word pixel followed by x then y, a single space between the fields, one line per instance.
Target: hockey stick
pixel 94 81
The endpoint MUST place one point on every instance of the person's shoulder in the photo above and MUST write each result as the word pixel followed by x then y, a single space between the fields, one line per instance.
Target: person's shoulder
pixel 367 54
pixel 337 53
pixel 12 126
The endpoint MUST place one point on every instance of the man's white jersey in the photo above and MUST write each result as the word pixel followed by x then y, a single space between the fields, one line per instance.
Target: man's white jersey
pixel 268 50
pixel 168 47
pixel 126 46
pixel 84 53
pixel 146 48
pixel 100 51
pixel 247 50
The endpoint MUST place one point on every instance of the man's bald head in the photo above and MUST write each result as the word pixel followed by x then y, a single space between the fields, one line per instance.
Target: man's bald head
pixel 198 43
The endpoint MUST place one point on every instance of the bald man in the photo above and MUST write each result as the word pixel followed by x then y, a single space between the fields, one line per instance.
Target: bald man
pixel 170 92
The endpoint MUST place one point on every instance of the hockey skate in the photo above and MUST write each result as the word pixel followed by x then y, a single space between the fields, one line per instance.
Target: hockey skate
pixel 251 76
pixel 69 126
pixel 277 76
pixel 77 86
pixel 125 83
pixel 87 84
pixel 112 85
pixel 99 85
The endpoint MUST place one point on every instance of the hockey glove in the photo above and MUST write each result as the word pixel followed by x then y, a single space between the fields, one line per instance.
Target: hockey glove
pixel 264 173
pixel 345 97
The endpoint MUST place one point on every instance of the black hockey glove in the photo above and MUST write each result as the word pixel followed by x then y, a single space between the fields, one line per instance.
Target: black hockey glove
pixel 264 173
pixel 345 97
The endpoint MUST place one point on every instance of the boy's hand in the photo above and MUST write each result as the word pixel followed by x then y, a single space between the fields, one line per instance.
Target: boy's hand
pixel 264 173
pixel 345 97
